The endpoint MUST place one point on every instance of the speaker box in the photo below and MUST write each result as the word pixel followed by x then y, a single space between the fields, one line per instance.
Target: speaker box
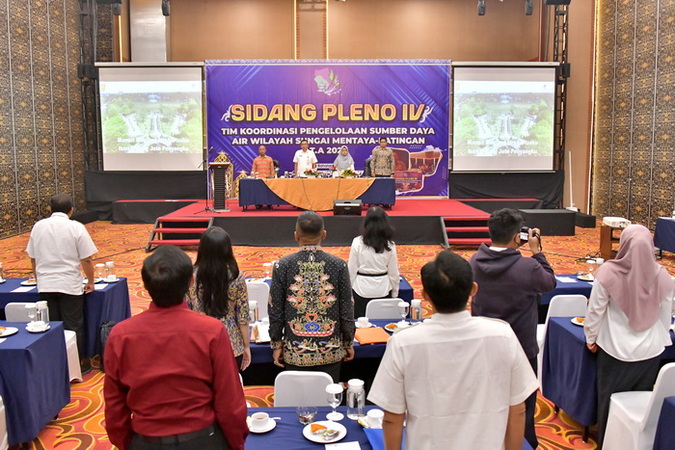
pixel 584 220
pixel 346 207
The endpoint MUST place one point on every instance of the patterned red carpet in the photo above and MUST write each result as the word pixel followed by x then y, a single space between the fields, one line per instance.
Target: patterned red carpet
pixel 81 425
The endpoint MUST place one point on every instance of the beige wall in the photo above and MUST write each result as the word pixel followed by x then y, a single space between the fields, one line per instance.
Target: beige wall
pixel 579 102
pixel 447 29
pixel 232 29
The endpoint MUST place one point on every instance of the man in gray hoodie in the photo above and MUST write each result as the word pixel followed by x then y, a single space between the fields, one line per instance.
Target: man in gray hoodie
pixel 510 288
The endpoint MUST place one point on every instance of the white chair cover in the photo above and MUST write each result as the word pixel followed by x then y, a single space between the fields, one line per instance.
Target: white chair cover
pixel 560 306
pixel 16 312
pixel 633 415
pixel 386 308
pixel 260 292
pixel 4 443
pixel 299 388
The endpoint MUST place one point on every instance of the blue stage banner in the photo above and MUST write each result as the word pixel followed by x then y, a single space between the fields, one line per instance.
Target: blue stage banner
pixel 331 104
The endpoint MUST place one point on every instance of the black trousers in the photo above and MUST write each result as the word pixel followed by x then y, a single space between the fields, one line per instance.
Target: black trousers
pixel 361 302
pixel 214 442
pixel 620 376
pixel 530 410
pixel 331 369
pixel 70 310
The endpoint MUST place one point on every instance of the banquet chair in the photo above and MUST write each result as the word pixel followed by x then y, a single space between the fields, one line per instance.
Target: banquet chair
pixel 560 306
pixel 633 415
pixel 259 291
pixel 300 388
pixel 4 444
pixel 385 308
pixel 16 312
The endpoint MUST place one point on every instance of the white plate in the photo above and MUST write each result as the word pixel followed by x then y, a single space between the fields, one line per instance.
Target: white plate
pixel 108 280
pixel 2 280
pixel 37 330
pixel 8 331
pixel 318 438
pixel 365 326
pixel 28 283
pixel 575 321
pixel 585 277
pixel 391 327
pixel 271 423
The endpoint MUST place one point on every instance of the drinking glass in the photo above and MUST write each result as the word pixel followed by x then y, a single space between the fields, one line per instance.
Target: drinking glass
pixel 334 397
pixel 31 310
pixel 403 309
pixel 306 414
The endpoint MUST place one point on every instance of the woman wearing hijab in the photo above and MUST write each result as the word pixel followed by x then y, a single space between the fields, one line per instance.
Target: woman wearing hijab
pixel 220 290
pixel 373 265
pixel 344 160
pixel 628 319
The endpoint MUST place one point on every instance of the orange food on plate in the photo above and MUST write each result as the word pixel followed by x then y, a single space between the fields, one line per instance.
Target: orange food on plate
pixel 581 319
pixel 318 428
pixel 2 328
pixel 391 326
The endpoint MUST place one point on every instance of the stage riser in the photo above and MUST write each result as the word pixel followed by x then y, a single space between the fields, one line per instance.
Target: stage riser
pixel 264 231
pixel 551 222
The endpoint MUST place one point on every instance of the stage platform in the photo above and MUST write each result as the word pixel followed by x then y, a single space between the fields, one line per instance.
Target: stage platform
pixel 417 221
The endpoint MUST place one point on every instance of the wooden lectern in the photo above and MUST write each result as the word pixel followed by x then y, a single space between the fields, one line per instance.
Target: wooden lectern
pixel 219 184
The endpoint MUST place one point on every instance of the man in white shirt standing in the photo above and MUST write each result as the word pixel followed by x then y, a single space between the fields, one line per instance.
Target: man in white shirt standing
pixel 462 380
pixel 57 247
pixel 304 159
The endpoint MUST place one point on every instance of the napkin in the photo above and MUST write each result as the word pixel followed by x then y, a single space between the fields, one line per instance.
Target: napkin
pixel 353 445
pixel 375 335
pixel 376 438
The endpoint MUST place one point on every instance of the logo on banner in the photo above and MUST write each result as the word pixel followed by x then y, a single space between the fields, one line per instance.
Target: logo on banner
pixel 326 81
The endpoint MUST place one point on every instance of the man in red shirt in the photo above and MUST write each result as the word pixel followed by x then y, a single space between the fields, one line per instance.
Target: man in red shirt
pixel 263 165
pixel 170 381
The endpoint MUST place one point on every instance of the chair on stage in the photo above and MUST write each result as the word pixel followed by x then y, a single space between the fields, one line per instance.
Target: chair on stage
pixel 4 439
pixel 633 415
pixel 385 308
pixel 16 312
pixel 300 388
pixel 259 291
pixel 560 306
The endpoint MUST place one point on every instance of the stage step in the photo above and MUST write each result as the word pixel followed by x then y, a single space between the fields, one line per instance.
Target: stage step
pixel 180 231
pixel 178 242
pixel 468 241
pixel 467 229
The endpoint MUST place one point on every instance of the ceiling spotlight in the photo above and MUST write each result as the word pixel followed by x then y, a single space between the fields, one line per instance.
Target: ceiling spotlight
pixel 481 7
pixel 529 7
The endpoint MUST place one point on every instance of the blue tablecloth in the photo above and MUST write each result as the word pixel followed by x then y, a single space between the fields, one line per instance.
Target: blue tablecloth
pixel 288 432
pixel 665 430
pixel 253 191
pixel 34 382
pixel 109 303
pixel 569 370
pixel 664 234
pixel 565 288
pixel 262 353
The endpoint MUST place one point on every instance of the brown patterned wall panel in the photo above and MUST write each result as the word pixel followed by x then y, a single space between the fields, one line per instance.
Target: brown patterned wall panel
pixel 40 118
pixel 633 153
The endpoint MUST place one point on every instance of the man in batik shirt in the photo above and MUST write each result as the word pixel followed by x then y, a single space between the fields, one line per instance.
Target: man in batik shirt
pixel 382 161
pixel 312 313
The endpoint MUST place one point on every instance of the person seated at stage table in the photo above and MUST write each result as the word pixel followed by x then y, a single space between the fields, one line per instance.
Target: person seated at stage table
pixel 263 165
pixel 373 265
pixel 168 381
pixel 344 160
pixel 628 319
pixel 462 380
pixel 382 162
pixel 311 313
pixel 304 159
pixel 220 291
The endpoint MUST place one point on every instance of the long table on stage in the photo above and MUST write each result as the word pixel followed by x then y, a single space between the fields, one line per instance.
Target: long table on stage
pixel 315 193
pixel 110 301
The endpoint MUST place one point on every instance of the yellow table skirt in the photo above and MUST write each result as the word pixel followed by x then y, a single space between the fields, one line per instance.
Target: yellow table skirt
pixel 318 194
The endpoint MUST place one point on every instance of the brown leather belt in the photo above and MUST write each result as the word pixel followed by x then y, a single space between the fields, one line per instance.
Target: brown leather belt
pixel 179 438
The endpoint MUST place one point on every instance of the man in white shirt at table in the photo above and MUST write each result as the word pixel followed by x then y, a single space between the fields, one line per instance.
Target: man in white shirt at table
pixel 304 159
pixel 57 248
pixel 462 380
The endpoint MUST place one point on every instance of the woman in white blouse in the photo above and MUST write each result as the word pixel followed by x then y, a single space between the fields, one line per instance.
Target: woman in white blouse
pixel 628 319
pixel 373 266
